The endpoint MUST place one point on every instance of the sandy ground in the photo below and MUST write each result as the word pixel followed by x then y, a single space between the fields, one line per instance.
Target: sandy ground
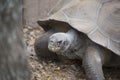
pixel 69 70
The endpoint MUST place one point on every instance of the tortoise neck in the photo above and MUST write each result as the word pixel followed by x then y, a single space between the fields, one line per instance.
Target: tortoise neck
pixel 71 36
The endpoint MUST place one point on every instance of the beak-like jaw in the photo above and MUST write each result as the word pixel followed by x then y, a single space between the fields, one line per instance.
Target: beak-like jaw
pixel 53 48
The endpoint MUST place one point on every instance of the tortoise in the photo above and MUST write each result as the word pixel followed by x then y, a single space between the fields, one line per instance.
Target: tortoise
pixel 87 30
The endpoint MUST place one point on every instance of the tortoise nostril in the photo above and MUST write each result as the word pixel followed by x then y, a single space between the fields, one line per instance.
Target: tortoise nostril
pixel 51 42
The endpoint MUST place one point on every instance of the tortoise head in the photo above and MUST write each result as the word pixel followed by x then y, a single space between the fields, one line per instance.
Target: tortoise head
pixel 58 42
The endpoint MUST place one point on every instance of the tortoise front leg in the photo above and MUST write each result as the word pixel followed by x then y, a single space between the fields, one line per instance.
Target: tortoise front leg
pixel 92 64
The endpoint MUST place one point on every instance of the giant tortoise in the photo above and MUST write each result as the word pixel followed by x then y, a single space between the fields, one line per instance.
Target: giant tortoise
pixel 87 30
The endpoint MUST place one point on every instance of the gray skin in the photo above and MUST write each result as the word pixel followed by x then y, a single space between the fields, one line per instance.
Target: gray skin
pixel 74 44
pixel 80 46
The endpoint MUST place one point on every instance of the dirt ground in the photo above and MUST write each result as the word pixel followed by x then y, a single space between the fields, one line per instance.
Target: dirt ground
pixel 70 70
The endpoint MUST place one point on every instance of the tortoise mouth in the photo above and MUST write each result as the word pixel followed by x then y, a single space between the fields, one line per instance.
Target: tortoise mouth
pixel 53 48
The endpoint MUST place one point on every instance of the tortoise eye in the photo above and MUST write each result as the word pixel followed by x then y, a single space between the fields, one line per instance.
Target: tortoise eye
pixel 59 42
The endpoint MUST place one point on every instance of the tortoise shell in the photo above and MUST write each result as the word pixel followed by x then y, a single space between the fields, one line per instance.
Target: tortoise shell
pixel 99 19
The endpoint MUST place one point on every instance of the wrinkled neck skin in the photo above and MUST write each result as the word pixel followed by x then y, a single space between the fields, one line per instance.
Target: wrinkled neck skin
pixel 71 37
pixel 76 47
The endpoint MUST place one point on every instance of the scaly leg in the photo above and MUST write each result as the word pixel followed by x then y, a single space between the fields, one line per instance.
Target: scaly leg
pixel 92 64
